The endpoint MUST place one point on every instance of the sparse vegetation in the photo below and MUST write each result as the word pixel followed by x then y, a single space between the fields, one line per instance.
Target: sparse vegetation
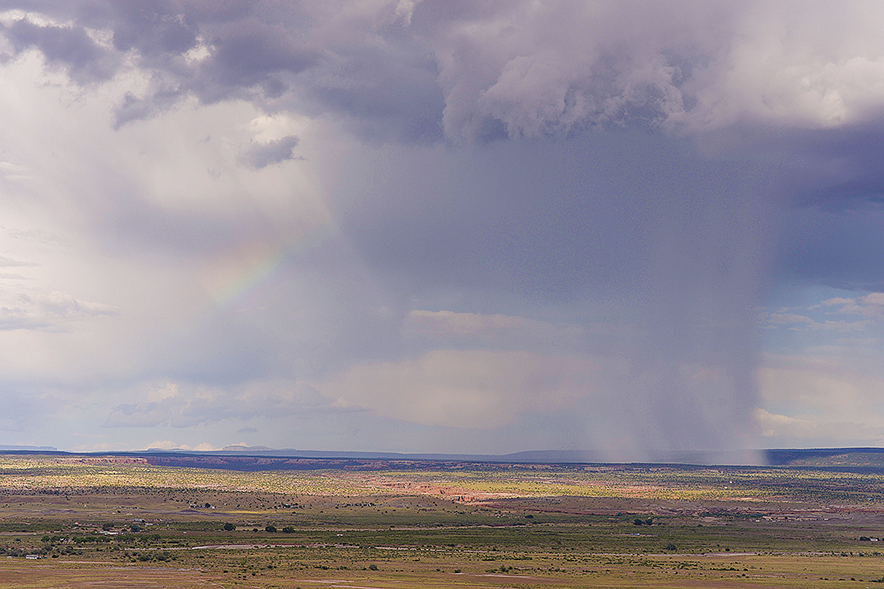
pixel 579 526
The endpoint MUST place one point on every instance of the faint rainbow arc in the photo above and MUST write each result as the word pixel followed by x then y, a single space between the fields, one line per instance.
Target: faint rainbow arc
pixel 259 273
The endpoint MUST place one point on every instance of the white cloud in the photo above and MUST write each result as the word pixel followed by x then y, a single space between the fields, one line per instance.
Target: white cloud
pixel 170 445
pixel 788 318
pixel 870 305
pixel 544 68
pixel 405 10
pixel 54 311
pixel 162 445
pixel 780 70
pixel 159 394
pixel 796 321
pixel 833 397
pixel 63 305
pixel 772 425
pixel 779 431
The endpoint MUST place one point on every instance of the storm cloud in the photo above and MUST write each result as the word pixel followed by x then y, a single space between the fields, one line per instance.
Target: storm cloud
pixel 261 155
pixel 435 225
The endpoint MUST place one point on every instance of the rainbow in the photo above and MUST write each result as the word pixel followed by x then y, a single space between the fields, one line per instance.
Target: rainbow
pixel 239 272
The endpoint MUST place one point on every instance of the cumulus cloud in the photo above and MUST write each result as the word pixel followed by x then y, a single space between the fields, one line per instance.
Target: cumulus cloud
pixel 796 321
pixel 407 70
pixel 530 69
pixel 515 69
pixel 870 305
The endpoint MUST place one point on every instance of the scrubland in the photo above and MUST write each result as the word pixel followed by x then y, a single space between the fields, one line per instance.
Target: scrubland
pixel 68 521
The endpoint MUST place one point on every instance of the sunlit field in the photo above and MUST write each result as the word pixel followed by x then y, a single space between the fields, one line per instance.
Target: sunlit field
pixel 69 521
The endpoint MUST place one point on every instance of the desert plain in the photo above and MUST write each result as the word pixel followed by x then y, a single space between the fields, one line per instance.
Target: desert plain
pixel 132 521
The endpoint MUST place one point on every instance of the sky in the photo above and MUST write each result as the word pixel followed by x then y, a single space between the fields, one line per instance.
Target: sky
pixel 441 226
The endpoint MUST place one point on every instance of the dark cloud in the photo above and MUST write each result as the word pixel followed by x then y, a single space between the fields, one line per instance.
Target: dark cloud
pixel 557 220
pixel 475 71
pixel 837 248
pixel 829 168
pixel 397 79
pixel 212 11
pixel 630 225
pixel 151 28
pixel 839 168
pixel 134 108
pixel 70 48
pixel 249 55
pixel 244 53
pixel 261 155
pixel 385 92
pixel 830 187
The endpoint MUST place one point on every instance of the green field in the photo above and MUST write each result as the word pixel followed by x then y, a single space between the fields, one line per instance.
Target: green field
pixel 117 522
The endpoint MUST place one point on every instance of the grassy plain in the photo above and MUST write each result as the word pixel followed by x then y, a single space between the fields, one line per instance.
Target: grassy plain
pixel 121 522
